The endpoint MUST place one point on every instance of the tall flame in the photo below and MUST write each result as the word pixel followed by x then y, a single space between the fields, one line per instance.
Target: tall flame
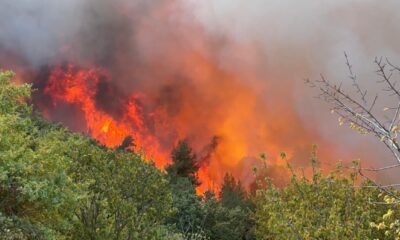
pixel 78 87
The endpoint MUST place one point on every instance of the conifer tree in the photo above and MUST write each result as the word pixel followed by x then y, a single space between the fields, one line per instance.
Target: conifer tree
pixel 184 164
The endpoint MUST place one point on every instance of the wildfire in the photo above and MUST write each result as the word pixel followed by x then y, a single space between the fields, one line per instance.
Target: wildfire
pixel 234 119
pixel 159 78
pixel 78 87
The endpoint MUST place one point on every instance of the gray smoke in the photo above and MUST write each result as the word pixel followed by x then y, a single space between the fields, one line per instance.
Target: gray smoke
pixel 301 39
pixel 36 29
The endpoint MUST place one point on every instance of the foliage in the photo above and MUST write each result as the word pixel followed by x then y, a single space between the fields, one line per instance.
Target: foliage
pixel 225 218
pixel 232 193
pixel 377 114
pixel 227 222
pixel 389 223
pixel 34 184
pixel 127 198
pixel 184 164
pixel 58 185
pixel 212 218
pixel 325 207
pixel 189 215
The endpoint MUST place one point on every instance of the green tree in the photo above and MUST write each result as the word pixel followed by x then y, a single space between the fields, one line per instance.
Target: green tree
pixel 182 172
pixel 128 199
pixel 58 185
pixel 184 164
pixel 36 193
pixel 189 215
pixel 229 217
pixel 226 218
pixel 233 193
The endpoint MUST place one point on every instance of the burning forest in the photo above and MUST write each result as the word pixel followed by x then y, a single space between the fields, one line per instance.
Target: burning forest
pixel 157 77
pixel 199 120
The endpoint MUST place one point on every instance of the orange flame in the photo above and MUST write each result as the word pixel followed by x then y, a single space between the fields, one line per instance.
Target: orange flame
pixel 235 114
pixel 77 87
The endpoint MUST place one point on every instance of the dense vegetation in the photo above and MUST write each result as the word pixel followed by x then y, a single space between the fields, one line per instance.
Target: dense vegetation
pixel 323 207
pixel 55 184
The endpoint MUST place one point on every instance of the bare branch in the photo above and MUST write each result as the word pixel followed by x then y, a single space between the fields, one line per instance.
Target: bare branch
pixel 358 112
pixel 373 103
pixel 394 67
pixel 386 78
pixel 373 169
pixel 383 189
pixel 383 186
pixel 396 116
pixel 353 77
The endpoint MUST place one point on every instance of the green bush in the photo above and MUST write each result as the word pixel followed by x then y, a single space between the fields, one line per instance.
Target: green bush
pixel 323 207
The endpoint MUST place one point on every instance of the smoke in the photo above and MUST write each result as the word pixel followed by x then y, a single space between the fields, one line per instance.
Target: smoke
pixel 35 29
pixel 224 70
pixel 303 39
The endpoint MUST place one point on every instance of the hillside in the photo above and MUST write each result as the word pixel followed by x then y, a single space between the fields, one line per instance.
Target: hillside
pixel 55 184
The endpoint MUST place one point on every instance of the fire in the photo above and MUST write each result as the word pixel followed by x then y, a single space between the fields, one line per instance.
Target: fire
pixel 160 78
pixel 235 118
pixel 78 87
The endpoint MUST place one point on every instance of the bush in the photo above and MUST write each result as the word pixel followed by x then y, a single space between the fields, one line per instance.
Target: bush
pixel 325 207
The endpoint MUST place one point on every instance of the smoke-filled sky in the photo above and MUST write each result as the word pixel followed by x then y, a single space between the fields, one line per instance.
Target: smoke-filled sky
pixel 230 69
pixel 301 39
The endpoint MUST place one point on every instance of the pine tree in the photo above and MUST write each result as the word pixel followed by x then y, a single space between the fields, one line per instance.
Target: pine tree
pixel 232 193
pixel 189 215
pixel 184 164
